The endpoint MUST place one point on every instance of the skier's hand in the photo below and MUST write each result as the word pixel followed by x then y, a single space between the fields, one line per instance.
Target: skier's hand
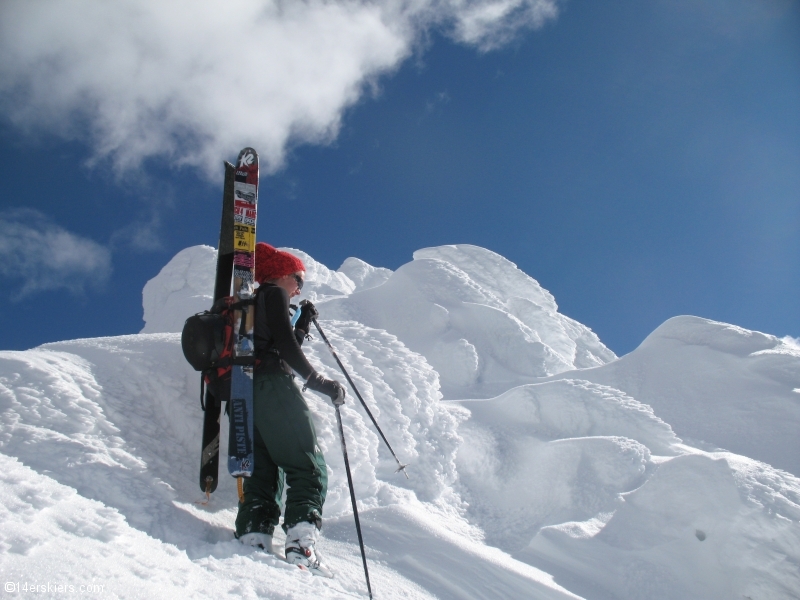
pixel 308 312
pixel 338 400
pixel 330 387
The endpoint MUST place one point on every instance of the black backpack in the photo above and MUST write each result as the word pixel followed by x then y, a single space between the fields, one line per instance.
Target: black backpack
pixel 207 342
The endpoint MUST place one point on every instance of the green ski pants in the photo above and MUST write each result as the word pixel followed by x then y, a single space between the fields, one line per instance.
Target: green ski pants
pixel 285 445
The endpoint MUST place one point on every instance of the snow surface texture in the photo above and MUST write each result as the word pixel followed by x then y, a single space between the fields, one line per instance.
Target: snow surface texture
pixel 483 324
pixel 540 465
pixel 719 386
pixel 185 286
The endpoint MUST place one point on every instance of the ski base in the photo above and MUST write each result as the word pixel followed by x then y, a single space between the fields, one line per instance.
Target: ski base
pixel 240 445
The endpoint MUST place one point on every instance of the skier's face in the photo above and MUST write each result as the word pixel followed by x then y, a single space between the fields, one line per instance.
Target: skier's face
pixel 292 283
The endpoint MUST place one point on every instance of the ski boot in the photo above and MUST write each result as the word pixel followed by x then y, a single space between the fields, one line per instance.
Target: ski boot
pixel 301 549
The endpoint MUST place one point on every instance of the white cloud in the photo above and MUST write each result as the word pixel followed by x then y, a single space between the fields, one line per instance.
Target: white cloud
pixel 792 342
pixel 489 25
pixel 193 81
pixel 43 256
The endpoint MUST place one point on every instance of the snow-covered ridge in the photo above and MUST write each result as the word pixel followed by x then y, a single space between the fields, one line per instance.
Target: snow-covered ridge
pixel 554 481
pixel 718 386
pixel 478 320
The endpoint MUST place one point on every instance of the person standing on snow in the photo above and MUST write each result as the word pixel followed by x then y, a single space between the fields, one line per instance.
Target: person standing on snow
pixel 284 437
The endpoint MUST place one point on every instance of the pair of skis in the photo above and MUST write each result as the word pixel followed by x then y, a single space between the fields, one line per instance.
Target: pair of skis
pixel 235 273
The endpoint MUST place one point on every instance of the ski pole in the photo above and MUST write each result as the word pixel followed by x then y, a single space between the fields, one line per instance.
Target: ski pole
pixel 400 466
pixel 353 500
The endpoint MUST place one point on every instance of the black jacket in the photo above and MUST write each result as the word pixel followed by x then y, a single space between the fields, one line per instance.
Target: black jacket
pixel 277 342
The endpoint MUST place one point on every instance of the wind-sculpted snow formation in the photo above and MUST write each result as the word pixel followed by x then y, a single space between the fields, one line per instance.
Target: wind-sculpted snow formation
pixel 184 286
pixel 719 386
pixel 483 324
pixel 540 465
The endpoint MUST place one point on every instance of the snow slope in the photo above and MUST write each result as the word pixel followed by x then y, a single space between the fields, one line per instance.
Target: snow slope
pixel 551 470
pixel 719 386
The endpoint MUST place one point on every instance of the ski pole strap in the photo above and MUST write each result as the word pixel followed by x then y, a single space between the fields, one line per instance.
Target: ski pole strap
pixel 353 500
pixel 400 466
pixel 296 316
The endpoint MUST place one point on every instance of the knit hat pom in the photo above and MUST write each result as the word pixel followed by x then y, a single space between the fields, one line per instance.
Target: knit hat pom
pixel 272 263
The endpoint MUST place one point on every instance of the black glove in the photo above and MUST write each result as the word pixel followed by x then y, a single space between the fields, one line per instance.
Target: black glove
pixel 330 387
pixel 307 313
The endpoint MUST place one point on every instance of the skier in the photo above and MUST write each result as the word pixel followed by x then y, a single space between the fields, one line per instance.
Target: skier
pixel 285 441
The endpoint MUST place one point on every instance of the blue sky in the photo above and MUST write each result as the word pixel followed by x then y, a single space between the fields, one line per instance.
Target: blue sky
pixel 640 159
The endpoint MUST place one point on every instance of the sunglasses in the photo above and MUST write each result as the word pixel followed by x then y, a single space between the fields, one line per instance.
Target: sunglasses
pixel 299 281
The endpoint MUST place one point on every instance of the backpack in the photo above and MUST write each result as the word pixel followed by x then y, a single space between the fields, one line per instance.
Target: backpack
pixel 207 342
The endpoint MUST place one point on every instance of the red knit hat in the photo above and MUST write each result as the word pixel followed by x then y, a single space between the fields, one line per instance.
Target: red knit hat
pixel 274 264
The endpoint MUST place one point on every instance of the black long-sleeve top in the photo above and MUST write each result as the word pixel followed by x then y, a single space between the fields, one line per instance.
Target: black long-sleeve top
pixel 274 332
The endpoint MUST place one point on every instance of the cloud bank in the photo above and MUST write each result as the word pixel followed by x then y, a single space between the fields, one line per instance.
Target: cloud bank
pixel 44 256
pixel 192 81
